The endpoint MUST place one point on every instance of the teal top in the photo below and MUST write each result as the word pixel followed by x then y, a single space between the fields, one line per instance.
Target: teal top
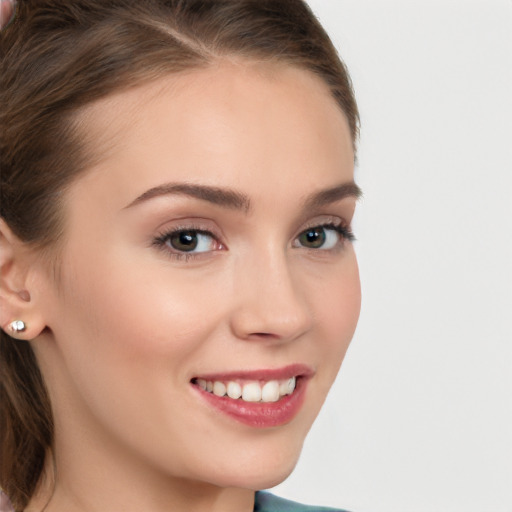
pixel 266 502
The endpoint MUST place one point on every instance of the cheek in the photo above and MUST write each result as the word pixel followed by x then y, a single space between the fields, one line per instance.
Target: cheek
pixel 125 332
pixel 343 306
pixel 127 342
pixel 338 304
pixel 337 295
pixel 136 303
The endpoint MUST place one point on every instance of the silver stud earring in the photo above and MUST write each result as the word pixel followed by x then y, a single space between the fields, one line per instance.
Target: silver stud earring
pixel 17 326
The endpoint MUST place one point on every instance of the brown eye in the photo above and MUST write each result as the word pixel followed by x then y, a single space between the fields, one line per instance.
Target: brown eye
pixel 189 241
pixel 323 237
pixel 184 241
pixel 313 238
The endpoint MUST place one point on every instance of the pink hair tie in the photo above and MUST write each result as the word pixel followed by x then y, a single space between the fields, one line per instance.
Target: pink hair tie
pixel 7 9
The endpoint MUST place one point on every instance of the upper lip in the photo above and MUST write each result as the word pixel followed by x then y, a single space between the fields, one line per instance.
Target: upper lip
pixel 285 372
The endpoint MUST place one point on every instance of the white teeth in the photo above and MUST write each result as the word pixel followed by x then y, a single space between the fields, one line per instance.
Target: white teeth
pixel 234 390
pixel 287 387
pixel 219 388
pixel 251 392
pixel 255 391
pixel 270 391
pixel 290 386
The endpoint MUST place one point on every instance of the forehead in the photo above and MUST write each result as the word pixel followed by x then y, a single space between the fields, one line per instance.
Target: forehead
pixel 230 122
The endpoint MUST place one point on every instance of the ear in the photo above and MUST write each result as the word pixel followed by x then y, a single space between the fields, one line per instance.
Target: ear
pixel 16 304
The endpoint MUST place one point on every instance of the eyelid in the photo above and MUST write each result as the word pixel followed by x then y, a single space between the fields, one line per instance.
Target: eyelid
pixel 325 221
pixel 334 223
pixel 165 233
pixel 200 225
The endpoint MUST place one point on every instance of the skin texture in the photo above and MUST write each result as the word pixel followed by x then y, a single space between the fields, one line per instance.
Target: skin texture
pixel 129 323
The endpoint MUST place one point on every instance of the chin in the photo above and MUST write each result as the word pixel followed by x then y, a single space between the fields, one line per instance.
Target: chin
pixel 259 480
pixel 271 480
pixel 256 473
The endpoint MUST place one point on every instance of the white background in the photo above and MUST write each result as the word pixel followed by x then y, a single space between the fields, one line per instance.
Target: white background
pixel 420 418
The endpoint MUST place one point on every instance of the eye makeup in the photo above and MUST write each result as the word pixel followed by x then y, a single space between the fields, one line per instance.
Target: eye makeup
pixel 188 241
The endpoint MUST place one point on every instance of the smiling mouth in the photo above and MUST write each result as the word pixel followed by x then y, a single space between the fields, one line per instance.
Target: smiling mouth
pixel 250 390
pixel 260 398
pixel 264 386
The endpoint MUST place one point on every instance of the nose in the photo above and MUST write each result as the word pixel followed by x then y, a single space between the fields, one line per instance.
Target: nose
pixel 270 301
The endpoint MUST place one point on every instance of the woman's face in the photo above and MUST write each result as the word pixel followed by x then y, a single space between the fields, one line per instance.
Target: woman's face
pixel 209 246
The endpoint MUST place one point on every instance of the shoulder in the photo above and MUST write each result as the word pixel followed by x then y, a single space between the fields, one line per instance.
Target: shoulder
pixel 266 502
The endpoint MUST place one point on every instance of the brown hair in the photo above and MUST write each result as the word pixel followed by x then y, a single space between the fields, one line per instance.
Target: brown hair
pixel 61 55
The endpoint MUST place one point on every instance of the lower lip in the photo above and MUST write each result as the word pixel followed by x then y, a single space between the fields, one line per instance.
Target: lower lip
pixel 259 414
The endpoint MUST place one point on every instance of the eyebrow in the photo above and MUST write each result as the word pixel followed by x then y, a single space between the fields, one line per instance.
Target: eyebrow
pixel 220 196
pixel 232 199
pixel 331 195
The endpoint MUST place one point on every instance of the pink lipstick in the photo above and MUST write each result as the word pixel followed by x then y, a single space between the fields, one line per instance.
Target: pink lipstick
pixel 258 398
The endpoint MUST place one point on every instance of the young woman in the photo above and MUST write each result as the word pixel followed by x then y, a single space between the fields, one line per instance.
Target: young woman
pixel 179 286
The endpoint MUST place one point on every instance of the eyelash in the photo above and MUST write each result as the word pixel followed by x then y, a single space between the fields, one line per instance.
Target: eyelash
pixel 345 231
pixel 161 241
pixel 346 234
